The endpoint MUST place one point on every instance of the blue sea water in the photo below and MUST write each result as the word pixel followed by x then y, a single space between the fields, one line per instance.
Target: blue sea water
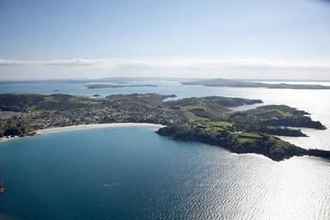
pixel 132 173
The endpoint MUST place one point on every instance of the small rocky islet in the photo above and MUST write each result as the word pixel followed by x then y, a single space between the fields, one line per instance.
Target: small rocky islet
pixel 210 120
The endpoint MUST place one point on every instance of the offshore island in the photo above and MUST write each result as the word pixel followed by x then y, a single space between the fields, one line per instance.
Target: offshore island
pixel 209 120
pixel 236 83
pixel 107 85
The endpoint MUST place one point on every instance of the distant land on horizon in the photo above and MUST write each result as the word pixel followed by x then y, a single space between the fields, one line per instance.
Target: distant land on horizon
pixel 254 84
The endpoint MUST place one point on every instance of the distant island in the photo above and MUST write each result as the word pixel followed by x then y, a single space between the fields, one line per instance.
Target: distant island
pixel 105 85
pixel 251 84
pixel 209 120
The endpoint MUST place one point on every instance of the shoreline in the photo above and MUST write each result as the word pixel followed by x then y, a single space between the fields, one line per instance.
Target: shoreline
pixel 86 127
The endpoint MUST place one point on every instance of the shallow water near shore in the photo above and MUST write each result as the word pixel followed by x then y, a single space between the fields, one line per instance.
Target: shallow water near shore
pixel 132 173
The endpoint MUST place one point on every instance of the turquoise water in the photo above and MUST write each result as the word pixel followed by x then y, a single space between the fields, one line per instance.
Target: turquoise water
pixel 132 173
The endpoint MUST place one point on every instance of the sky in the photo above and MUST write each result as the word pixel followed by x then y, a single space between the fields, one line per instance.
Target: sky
pixel 259 39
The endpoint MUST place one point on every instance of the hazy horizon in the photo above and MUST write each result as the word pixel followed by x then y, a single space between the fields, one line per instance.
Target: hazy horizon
pixel 182 39
pixel 142 78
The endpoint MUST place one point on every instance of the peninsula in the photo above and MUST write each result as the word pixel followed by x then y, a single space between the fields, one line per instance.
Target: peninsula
pixel 209 120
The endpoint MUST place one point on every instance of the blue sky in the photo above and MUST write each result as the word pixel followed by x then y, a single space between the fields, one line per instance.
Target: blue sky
pixel 185 38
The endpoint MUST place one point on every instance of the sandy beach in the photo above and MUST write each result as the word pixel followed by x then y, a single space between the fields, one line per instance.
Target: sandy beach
pixel 94 126
pixel 88 126
pixel 5 139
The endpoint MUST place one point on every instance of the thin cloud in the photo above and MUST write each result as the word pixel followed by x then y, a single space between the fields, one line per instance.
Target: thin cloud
pixel 168 62
pixel 169 67
pixel 60 62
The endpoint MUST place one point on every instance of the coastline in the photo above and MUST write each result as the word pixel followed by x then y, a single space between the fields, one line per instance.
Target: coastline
pixel 5 139
pixel 87 127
